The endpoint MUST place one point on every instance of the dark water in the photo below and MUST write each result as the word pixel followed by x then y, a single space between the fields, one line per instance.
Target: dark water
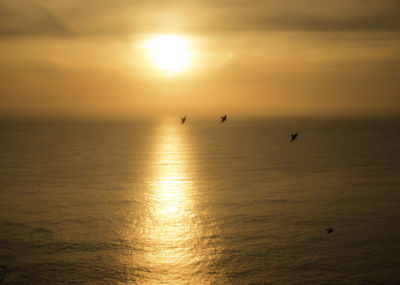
pixel 200 203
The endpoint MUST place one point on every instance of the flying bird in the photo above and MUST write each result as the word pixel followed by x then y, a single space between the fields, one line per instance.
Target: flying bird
pixel 294 136
pixel 223 118
pixel 330 230
pixel 183 120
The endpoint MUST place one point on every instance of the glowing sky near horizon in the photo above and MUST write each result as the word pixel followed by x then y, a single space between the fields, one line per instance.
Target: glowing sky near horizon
pixel 245 58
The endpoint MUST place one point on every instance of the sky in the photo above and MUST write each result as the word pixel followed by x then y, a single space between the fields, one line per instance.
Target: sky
pixel 247 58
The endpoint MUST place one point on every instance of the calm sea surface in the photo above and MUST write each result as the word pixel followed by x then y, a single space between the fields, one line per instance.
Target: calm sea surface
pixel 202 203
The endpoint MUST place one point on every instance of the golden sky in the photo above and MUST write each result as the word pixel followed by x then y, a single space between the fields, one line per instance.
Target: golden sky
pixel 246 58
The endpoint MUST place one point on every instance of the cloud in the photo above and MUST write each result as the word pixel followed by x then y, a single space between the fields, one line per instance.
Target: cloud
pixel 122 17
pixel 311 15
pixel 27 18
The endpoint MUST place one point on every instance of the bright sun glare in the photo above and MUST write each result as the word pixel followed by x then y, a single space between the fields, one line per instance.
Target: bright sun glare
pixel 169 52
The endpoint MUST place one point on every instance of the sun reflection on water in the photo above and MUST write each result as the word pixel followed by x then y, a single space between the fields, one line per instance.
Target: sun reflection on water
pixel 172 232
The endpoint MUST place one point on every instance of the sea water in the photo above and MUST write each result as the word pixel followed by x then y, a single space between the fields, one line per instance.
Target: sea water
pixel 158 202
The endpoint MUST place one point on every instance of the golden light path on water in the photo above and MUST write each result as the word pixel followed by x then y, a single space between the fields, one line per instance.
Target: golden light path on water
pixel 172 232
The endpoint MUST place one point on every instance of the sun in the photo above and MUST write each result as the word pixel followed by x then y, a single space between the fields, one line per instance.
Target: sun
pixel 169 52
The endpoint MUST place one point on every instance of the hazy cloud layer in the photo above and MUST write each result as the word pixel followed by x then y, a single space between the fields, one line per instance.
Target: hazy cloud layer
pixel 251 57
pixel 22 18
pixel 122 17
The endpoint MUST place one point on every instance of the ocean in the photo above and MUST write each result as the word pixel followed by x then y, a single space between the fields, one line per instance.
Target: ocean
pixel 158 202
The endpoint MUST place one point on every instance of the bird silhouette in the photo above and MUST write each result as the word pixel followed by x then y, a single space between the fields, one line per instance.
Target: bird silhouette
pixel 183 120
pixel 330 230
pixel 294 136
pixel 223 118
